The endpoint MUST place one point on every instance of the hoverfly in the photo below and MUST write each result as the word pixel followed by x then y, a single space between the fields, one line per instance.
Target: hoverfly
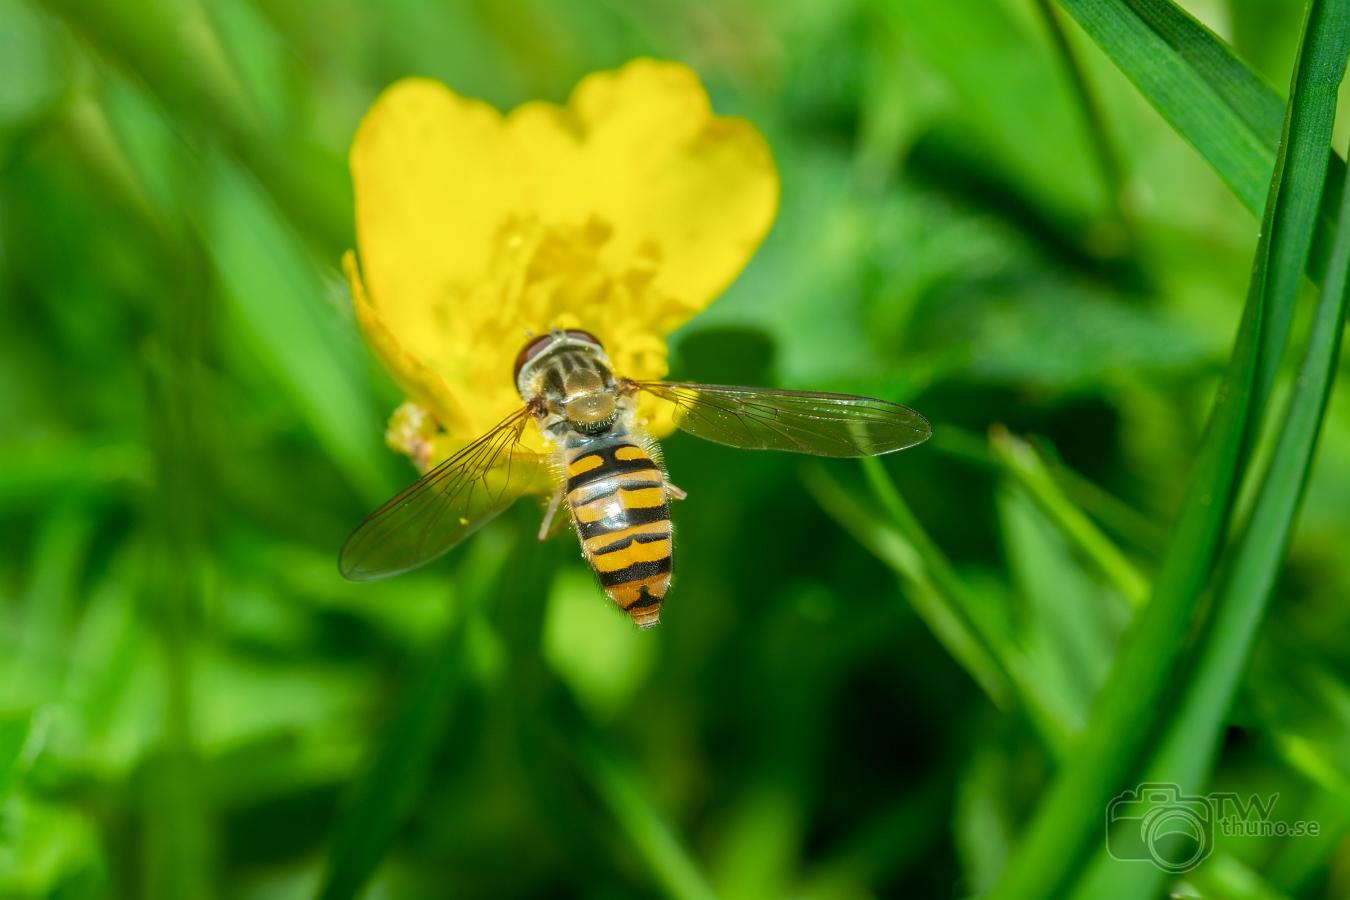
pixel 606 467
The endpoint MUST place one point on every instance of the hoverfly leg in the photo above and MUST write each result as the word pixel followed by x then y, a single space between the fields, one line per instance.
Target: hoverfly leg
pixel 546 527
pixel 673 492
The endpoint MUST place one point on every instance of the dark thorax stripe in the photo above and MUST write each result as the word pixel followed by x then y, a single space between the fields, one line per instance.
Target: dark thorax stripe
pixel 553 382
pixel 641 516
pixel 610 465
pixel 636 572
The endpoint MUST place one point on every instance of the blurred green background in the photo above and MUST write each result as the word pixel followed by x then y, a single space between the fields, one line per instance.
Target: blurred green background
pixel 193 704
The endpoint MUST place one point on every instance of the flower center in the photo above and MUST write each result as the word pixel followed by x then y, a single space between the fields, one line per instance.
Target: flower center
pixel 542 277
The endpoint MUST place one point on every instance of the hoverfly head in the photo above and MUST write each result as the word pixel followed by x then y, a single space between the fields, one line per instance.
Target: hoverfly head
pixel 589 406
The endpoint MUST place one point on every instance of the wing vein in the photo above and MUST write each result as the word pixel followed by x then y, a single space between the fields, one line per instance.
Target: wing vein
pixel 444 506
pixel 819 423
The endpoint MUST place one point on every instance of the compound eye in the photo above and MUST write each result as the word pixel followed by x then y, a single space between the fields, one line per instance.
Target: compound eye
pixel 529 352
pixel 583 335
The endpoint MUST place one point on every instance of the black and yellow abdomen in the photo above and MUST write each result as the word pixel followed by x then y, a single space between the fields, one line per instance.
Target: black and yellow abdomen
pixel 617 495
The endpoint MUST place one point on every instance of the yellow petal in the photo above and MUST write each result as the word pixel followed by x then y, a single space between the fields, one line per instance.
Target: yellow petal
pixel 693 193
pixel 430 197
pixel 416 380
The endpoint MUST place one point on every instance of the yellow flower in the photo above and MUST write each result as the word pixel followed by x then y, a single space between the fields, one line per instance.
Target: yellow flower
pixel 623 213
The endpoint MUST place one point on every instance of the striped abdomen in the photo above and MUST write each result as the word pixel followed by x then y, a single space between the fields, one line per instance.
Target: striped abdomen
pixel 622 516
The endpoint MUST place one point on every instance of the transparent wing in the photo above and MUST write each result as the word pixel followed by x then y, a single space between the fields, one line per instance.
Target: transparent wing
pixel 813 422
pixel 444 506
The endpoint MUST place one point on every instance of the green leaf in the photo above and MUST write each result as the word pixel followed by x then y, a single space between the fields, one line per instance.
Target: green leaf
pixel 982 820
pixel 1061 834
pixel 593 647
pixel 279 303
pixel 1014 97
pixel 1056 334
pixel 31 75
pixel 45 849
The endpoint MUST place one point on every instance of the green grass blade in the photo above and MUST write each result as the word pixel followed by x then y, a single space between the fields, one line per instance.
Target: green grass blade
pixel 1020 461
pixel 1168 77
pixel 1187 749
pixel 14 731
pixel 1064 827
pixel 1305 705
pixel 641 821
pixel 1222 108
pixel 1226 876
pixel 398 772
pixel 58 557
pixel 1237 85
pixel 1127 524
pixel 937 595
pixel 1298 865
pixel 1067 625
pixel 1317 78
pixel 1094 119
pixel 876 847
pixel 960 618
pixel 384 794
pixel 277 298
pixel 389 787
